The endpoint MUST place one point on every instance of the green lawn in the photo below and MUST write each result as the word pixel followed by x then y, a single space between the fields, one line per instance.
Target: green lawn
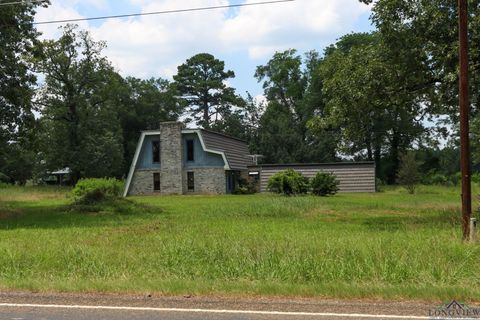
pixel 384 245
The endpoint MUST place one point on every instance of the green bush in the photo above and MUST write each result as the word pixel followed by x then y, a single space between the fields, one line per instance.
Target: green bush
pixel 409 174
pixel 113 206
pixel 246 186
pixel 324 184
pixel 476 177
pixel 455 179
pixel 436 179
pixel 96 190
pixel 379 185
pixel 242 190
pixel 288 182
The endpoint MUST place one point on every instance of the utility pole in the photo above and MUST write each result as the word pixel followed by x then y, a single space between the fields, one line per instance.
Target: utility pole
pixel 464 114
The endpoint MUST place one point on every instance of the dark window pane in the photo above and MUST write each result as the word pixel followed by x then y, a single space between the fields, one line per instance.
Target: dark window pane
pixel 190 181
pixel 190 156
pixel 156 182
pixel 156 151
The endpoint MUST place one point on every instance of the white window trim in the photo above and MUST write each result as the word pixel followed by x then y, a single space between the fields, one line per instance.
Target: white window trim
pixel 152 133
pixel 204 147
pixel 135 158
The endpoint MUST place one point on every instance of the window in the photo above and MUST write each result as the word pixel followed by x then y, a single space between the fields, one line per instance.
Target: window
pixel 156 181
pixel 190 156
pixel 190 181
pixel 255 175
pixel 156 151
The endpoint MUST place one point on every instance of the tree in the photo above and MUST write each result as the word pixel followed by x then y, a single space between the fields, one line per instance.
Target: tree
pixel 427 33
pixel 348 87
pixel 428 30
pixel 293 90
pixel 252 113
pixel 201 84
pixel 143 104
pixel 279 140
pixel 243 123
pixel 408 174
pixel 81 128
pixel 367 99
pixel 17 43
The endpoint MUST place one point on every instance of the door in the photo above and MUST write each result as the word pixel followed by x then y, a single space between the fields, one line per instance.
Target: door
pixel 230 181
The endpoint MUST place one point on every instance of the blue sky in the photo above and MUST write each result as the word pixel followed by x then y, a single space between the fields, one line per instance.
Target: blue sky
pixel 153 46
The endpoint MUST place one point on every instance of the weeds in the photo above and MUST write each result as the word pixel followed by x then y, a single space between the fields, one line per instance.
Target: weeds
pixel 384 245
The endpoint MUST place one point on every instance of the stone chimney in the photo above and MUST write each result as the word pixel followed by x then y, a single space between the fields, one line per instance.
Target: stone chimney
pixel 171 157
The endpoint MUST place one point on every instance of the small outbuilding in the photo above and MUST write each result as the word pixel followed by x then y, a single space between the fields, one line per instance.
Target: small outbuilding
pixel 61 177
pixel 353 176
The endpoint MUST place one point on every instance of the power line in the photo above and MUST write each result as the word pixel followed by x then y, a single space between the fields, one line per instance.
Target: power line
pixel 20 2
pixel 163 12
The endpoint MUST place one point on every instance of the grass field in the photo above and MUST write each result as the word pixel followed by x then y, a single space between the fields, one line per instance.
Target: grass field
pixel 384 245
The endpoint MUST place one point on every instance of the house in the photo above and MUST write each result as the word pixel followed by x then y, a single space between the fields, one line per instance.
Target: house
pixel 59 177
pixel 176 160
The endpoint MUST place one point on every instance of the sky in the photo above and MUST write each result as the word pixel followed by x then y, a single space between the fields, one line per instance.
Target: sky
pixel 153 46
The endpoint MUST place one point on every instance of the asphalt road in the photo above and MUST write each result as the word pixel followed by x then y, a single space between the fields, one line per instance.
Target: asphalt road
pixel 36 306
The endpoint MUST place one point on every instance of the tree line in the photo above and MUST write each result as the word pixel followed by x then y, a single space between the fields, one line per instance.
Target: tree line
pixel 369 96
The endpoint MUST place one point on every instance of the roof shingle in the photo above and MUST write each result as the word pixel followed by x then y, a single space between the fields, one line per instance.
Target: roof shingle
pixel 236 150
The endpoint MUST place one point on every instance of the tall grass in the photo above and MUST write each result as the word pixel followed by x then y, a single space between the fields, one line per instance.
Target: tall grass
pixel 384 245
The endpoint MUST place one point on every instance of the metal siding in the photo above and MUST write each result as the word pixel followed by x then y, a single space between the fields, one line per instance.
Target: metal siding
pixel 352 177
pixel 236 151
pixel 145 159
pixel 202 159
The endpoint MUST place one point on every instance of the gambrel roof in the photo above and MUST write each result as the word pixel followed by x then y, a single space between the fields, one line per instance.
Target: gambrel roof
pixel 235 150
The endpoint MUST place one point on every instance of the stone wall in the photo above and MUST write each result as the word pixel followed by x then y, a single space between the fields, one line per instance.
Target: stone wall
pixel 206 181
pixel 173 177
pixel 142 182
pixel 171 152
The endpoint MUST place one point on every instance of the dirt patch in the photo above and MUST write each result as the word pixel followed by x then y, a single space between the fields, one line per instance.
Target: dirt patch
pixel 30 197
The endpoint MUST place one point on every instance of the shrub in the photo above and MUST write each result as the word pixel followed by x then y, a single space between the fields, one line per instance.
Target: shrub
pixel 449 184
pixel 476 177
pixel 288 182
pixel 242 190
pixel 324 184
pixel 246 186
pixel 455 178
pixel 116 206
pixel 409 174
pixel 379 185
pixel 96 190
pixel 436 178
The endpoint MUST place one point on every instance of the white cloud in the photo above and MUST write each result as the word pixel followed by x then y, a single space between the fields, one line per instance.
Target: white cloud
pixel 154 45
pixel 56 12
pixel 260 99
pixel 266 29
pixel 258 52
